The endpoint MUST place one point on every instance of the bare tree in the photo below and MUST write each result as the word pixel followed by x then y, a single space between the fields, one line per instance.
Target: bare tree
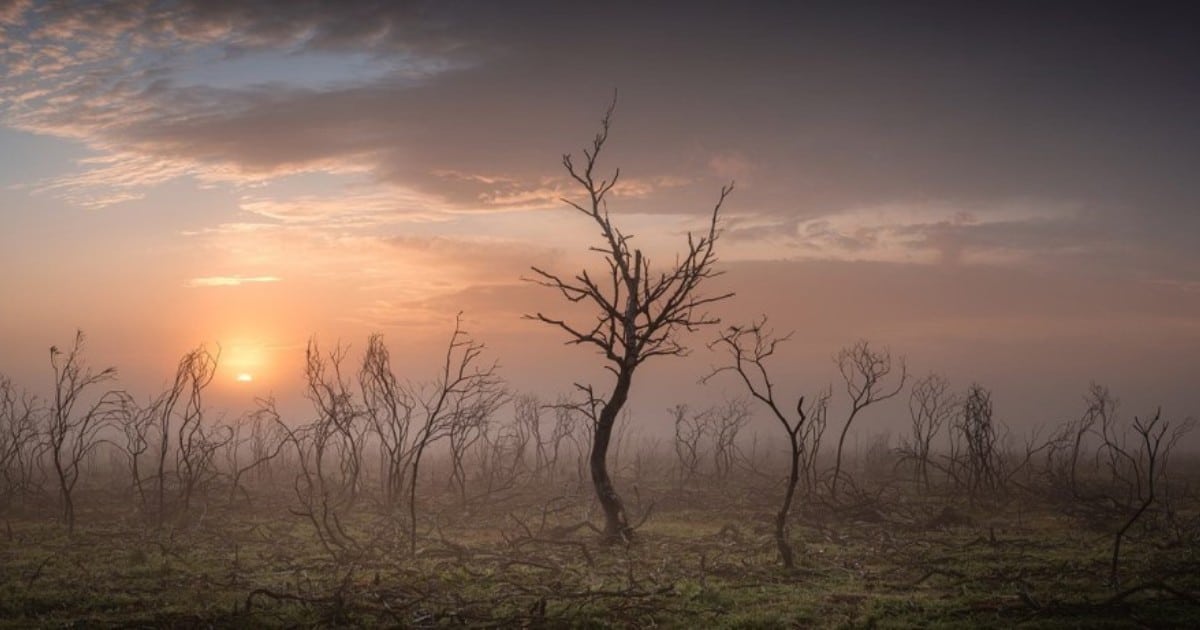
pixel 196 442
pixel 264 439
pixel 978 431
pixel 689 433
pixel 931 405
pixel 463 387
pixel 20 445
pixel 1101 409
pixel 135 423
pixel 640 314
pixel 329 451
pixel 811 435
pixel 465 428
pixel 864 370
pixel 389 407
pixel 198 363
pixel 1143 467
pixel 71 435
pixel 726 421
pixel 749 348
pixel 339 418
pixel 570 428
pixel 322 495
pixel 527 413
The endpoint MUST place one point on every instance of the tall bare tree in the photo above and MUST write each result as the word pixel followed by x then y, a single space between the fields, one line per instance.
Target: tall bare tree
pixel 640 313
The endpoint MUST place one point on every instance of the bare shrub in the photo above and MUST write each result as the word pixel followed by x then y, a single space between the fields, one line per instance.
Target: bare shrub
pixel 21 448
pixel 689 433
pixel 726 421
pixel 977 456
pixel 197 440
pixel 931 406
pixel 72 435
pixel 388 407
pixel 257 432
pixel 865 371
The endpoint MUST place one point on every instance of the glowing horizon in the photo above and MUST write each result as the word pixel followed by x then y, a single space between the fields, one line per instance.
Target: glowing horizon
pixel 1013 207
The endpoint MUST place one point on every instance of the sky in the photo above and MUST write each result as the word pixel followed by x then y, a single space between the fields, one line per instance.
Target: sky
pixel 1004 195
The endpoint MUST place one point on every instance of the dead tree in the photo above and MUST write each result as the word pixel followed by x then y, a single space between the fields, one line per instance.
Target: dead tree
pixel 978 432
pixel 749 348
pixel 1141 466
pixel 499 456
pixel 264 440
pixel 811 435
pixel 461 434
pixel 196 363
pixel 570 428
pixel 71 435
pixel 527 413
pixel 1101 409
pixel 640 314
pixel 465 428
pixel 135 423
pixel 389 407
pixel 322 497
pixel 463 387
pixel 864 370
pixel 339 419
pixel 197 443
pixel 689 433
pixel 20 444
pixel 726 421
pixel 931 405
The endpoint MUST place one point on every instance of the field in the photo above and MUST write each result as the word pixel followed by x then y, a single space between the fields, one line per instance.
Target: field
pixel 460 504
pixel 887 555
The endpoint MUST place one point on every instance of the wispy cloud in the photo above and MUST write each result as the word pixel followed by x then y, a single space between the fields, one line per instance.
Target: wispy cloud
pixel 230 281
pixel 120 78
pixel 926 232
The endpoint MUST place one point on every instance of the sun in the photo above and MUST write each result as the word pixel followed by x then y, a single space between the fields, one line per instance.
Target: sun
pixel 244 377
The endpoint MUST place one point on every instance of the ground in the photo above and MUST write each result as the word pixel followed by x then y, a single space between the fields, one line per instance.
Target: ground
pixel 704 557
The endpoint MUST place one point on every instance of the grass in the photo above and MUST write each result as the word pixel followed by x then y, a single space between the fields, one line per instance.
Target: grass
pixel 707 561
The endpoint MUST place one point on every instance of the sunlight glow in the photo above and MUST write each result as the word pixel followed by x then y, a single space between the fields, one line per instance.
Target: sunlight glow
pixel 244 359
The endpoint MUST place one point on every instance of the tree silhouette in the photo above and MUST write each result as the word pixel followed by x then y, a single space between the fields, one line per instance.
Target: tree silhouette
pixel 70 436
pixel 748 349
pixel 639 313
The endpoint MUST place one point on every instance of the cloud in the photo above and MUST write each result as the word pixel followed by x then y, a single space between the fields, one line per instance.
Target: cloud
pixel 732 165
pixel 390 205
pixel 427 112
pixel 230 281
pixel 120 78
pixel 927 232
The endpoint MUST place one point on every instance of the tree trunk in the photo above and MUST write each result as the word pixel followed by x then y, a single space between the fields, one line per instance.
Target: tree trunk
pixel 781 533
pixel 616 527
